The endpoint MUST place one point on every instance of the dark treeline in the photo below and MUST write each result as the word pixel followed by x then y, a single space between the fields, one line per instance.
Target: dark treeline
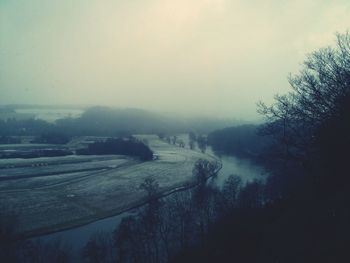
pixel 31 127
pixel 123 146
pixel 242 141
pixel 104 121
pixel 129 146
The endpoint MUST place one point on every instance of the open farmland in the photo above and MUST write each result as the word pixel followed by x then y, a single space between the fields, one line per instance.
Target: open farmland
pixel 55 193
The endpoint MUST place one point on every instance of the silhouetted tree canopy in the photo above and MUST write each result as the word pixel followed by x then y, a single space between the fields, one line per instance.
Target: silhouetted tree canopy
pixel 320 95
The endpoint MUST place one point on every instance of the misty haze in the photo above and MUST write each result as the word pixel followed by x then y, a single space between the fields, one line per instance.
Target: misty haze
pixel 155 131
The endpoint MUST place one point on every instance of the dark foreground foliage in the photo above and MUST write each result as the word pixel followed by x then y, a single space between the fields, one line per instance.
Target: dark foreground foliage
pixel 306 203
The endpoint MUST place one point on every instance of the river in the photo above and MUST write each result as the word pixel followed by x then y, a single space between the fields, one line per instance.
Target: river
pixel 77 237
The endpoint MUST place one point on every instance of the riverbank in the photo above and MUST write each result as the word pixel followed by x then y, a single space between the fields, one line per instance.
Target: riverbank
pixel 76 238
pixel 58 202
pixel 112 213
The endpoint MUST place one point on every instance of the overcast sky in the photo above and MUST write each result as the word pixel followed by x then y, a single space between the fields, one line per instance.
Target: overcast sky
pixel 215 57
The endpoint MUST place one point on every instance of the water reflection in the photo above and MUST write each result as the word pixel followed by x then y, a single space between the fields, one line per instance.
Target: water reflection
pixel 244 168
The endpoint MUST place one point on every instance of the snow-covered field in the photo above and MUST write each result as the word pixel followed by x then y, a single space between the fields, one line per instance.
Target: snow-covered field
pixel 51 194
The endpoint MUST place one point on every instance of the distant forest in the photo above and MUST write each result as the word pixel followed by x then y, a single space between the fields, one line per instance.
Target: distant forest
pixel 104 121
pixel 242 141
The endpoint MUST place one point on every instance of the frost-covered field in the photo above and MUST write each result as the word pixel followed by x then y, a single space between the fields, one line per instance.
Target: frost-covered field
pixel 61 192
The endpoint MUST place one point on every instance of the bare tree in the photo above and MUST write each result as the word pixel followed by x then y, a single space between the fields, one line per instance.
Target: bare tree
pixel 251 195
pixel 203 169
pixel 203 194
pixel 151 186
pixel 168 139
pixel 128 242
pixel 182 204
pixel 99 249
pixel 150 219
pixel 174 139
pixel 192 140
pixel 181 143
pixel 161 135
pixel 192 145
pixel 318 94
pixel 230 191
pixel 202 143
